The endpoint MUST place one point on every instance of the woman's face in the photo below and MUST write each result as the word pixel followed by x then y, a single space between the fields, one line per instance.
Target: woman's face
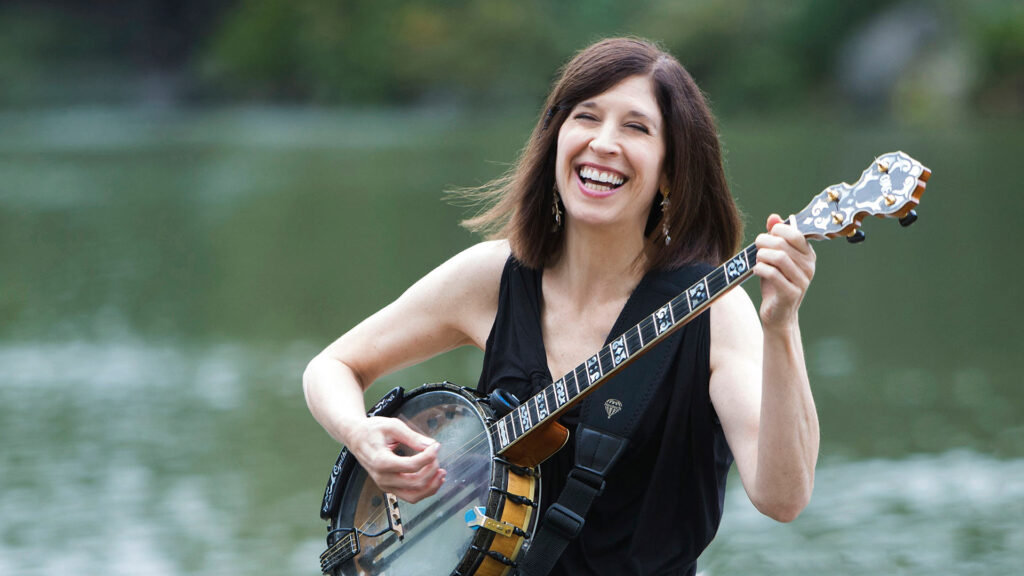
pixel 610 154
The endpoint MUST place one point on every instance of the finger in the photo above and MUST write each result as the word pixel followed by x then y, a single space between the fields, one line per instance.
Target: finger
pixel 416 493
pixel 792 236
pixel 776 267
pixel 422 475
pixel 403 434
pixel 794 247
pixel 389 462
pixel 772 221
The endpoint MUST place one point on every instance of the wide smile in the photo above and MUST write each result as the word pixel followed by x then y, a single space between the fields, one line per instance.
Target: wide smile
pixel 599 181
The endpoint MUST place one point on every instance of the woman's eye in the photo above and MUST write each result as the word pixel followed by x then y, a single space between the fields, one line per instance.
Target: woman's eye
pixel 639 127
pixel 585 116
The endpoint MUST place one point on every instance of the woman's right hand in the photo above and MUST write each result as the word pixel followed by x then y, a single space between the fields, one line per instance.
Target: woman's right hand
pixel 411 478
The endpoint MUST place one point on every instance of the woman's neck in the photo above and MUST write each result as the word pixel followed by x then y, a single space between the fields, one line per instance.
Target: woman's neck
pixel 598 264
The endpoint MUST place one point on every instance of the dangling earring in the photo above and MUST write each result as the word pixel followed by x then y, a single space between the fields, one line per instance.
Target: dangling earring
pixel 664 215
pixel 556 211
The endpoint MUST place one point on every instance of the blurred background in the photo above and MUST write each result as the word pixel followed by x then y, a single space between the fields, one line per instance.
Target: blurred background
pixel 197 197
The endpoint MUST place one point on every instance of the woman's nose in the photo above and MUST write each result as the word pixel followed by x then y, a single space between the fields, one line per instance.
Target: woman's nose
pixel 604 141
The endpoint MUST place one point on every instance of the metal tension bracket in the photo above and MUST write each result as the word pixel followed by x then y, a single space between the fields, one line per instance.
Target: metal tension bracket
pixel 477 518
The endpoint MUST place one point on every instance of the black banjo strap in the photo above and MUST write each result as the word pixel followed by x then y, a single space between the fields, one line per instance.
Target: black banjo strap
pixel 564 519
pixel 608 419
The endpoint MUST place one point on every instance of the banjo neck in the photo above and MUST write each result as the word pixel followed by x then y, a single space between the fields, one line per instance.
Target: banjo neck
pixel 562 394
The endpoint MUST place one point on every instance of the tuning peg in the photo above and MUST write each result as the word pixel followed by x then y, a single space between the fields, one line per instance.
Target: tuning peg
pixel 909 219
pixel 857 237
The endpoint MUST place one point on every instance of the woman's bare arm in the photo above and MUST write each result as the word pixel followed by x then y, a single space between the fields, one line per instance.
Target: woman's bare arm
pixel 759 383
pixel 453 305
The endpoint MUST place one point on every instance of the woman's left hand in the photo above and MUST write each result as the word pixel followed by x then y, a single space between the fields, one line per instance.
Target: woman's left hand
pixel 785 265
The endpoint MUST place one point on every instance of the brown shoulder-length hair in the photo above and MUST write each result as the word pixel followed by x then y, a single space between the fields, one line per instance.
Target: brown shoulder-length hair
pixel 702 217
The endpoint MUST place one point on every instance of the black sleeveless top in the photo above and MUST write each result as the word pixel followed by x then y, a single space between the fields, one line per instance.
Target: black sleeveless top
pixel 663 500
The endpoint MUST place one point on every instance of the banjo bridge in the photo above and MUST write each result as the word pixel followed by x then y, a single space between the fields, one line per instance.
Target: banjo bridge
pixel 394 515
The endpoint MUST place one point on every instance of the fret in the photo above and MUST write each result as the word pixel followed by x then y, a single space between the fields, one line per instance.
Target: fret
pixel 561 396
pixel 633 343
pixel 515 426
pixel 605 359
pixel 716 282
pixel 593 369
pixel 502 433
pixel 647 332
pixel 680 307
pixel 618 350
pixel 524 416
pixel 572 385
pixel 663 319
pixel 542 405
pixel 580 378
pixel 751 254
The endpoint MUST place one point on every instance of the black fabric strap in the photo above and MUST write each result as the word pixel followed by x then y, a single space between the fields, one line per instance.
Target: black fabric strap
pixel 596 454
pixel 603 434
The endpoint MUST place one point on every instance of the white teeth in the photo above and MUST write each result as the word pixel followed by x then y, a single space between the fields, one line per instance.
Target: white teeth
pixel 597 176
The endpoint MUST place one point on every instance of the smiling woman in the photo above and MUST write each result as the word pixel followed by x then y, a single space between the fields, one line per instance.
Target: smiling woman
pixel 652 92
pixel 618 203
pixel 610 156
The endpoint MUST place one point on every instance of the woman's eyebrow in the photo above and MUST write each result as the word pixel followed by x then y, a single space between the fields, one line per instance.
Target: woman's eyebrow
pixel 591 105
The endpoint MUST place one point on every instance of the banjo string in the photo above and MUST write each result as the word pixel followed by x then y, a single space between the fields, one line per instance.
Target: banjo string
pixel 490 429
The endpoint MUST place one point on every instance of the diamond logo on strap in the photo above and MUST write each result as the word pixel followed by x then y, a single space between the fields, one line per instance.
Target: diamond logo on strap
pixel 612 407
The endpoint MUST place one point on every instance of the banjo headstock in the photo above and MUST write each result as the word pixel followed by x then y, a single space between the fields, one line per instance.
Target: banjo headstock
pixel 891 187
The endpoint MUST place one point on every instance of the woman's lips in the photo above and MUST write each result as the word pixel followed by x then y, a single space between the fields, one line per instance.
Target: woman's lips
pixel 594 193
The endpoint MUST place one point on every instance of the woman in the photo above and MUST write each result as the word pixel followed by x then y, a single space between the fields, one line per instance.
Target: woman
pixel 620 183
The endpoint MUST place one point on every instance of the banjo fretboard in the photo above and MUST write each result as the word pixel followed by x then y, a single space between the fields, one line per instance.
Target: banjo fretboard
pixel 561 394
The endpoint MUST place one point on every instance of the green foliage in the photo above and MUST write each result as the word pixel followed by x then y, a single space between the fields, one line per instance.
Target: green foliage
pixel 748 55
pixel 997 30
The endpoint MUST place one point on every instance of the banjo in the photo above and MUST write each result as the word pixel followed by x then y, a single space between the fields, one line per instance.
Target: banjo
pixel 481 519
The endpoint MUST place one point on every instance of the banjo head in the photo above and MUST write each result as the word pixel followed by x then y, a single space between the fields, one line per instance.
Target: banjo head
pixel 437 539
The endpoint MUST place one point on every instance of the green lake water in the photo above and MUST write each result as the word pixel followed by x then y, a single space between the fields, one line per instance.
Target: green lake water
pixel 165 277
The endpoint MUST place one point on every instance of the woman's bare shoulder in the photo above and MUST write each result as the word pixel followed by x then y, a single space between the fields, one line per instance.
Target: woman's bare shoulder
pixel 476 268
pixel 465 288
pixel 484 261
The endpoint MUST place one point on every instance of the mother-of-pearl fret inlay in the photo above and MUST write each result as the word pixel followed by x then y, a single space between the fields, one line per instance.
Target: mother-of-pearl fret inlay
pixel 593 369
pixel 697 294
pixel 542 405
pixel 736 267
pixel 560 396
pixel 502 433
pixel 524 417
pixel 663 318
pixel 619 353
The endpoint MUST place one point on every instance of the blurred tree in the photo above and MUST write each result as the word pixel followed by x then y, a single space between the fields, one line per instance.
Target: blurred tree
pixel 56 52
pixel 997 30
pixel 750 56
